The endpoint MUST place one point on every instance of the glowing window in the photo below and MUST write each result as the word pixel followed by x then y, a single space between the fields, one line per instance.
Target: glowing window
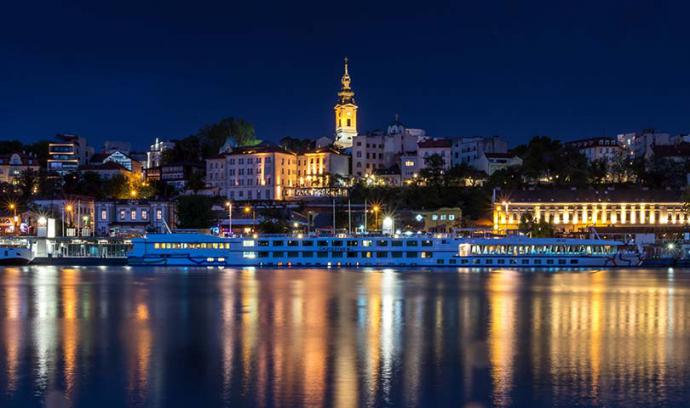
pixel 248 243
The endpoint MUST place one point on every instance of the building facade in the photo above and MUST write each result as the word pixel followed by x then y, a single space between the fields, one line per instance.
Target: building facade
pixel 67 153
pixel 605 149
pixel 491 162
pixel 382 150
pixel 640 144
pixel 318 167
pixel 632 211
pixel 133 217
pixel 345 113
pixel 468 149
pixel 13 165
pixel 253 173
pixel 154 157
pixel 440 147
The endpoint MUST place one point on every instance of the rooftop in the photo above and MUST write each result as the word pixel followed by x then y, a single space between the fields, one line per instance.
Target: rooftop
pixel 428 144
pixel 590 195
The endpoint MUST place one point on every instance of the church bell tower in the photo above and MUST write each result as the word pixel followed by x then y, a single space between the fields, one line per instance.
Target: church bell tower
pixel 345 113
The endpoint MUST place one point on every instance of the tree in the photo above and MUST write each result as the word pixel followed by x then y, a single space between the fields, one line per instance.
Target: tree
pixel 297 145
pixel 196 182
pixel 509 178
pixel 598 171
pixel 433 170
pixel 535 229
pixel 214 136
pixel 195 211
pixel 28 183
pixel 463 175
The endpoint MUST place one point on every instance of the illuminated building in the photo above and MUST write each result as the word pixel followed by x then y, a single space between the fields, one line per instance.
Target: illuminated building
pixel 67 153
pixel 624 211
pixel 155 154
pixel 119 157
pixel 12 166
pixel 253 173
pixel 598 148
pixel 440 147
pixel 382 150
pixel 640 144
pixel 345 113
pixel 133 217
pixel 316 167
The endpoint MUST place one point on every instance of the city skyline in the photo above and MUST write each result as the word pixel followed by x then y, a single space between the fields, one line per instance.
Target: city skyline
pixel 587 71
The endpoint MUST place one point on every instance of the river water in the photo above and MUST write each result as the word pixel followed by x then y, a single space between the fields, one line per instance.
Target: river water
pixel 121 336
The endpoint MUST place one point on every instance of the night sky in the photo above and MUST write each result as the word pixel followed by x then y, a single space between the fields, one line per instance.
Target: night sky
pixel 135 70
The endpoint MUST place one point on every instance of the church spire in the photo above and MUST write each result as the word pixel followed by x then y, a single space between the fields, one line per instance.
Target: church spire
pixel 346 94
pixel 345 111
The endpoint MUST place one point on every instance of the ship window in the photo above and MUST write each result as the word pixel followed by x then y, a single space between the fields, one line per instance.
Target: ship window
pixel 426 243
pixel 157 245
pixel 293 243
pixel 396 243
pixel 209 259
pixel 382 242
pixel 337 243
pixel 322 243
pixel 352 243
pixel 248 243
pixel 351 254
pixel 307 254
pixel 537 261
pixel 439 262
pixel 574 261
pixel 263 243
pixel 249 255
pixel 366 254
pixel 525 261
pixel 366 243
pixel 549 261
pixel 396 254
pixel 322 254
pixel 452 261
pixel 293 254
pixel 464 261
pixel 382 254
pixel 501 261
pixel 411 243
pixel 337 254
pixel 410 254
pixel 427 254
pixel 561 261
pixel 277 243
pixel 489 261
pixel 278 254
pixel 263 254
pixel 227 245
pixel 307 243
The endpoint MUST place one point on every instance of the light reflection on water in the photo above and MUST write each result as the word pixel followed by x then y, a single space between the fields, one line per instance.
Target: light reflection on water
pixel 210 337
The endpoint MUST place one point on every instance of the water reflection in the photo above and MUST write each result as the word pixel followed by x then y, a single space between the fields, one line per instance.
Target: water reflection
pixel 165 337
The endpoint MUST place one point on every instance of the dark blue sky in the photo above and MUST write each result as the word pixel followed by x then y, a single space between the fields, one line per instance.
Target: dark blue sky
pixel 135 70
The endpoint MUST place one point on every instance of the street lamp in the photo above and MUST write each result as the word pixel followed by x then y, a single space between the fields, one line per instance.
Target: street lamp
pixel 247 209
pixel 68 209
pixel 229 205
pixel 376 208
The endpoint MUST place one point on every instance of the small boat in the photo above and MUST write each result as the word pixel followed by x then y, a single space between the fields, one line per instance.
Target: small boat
pixel 15 255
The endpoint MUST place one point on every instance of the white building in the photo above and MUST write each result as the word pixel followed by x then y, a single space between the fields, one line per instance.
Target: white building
pixel 379 150
pixel 119 157
pixel 639 144
pixel 490 162
pixel 13 165
pixel 598 148
pixel 253 173
pixel 440 147
pixel 155 154
pixel 468 149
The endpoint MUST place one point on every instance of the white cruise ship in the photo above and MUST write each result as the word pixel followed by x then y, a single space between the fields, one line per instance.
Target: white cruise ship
pixel 399 251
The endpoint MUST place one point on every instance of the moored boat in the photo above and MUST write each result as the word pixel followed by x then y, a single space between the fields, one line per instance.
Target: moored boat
pixel 382 251
pixel 15 255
